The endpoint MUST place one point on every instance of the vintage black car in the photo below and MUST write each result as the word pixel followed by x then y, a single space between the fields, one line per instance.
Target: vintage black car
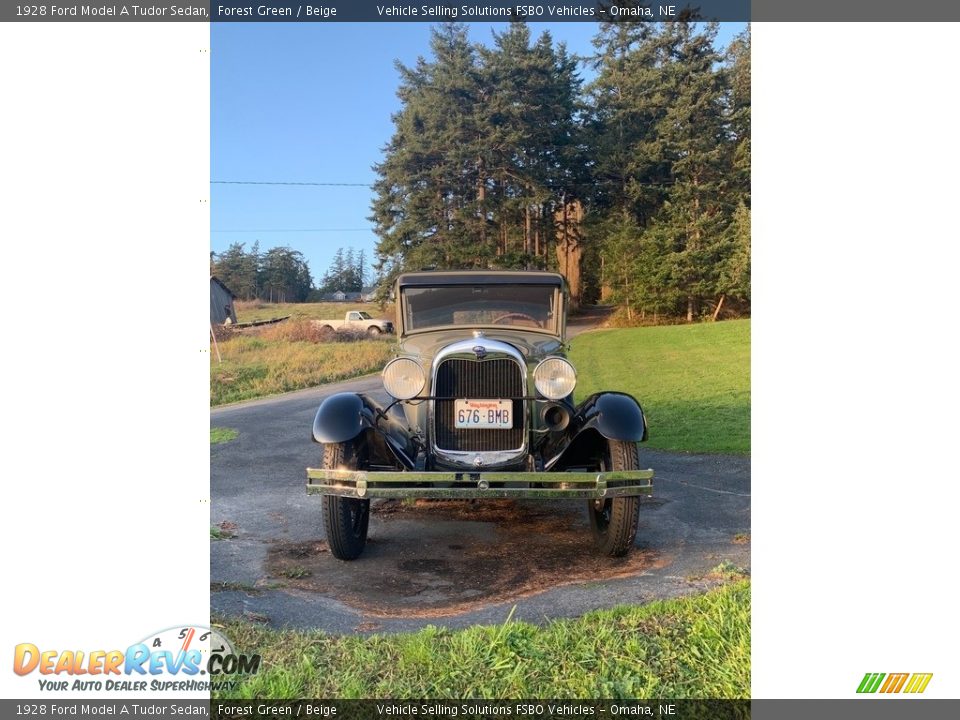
pixel 482 407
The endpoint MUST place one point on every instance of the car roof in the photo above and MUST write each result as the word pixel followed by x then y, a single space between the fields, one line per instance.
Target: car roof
pixel 479 277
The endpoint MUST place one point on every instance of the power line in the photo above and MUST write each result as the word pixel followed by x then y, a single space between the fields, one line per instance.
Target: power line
pixel 291 230
pixel 596 181
pixel 265 182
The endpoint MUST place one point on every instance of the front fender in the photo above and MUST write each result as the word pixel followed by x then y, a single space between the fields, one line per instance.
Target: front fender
pixel 602 416
pixel 349 416
pixel 615 415
pixel 341 417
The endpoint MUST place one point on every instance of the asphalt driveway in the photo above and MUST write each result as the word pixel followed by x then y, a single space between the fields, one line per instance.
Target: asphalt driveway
pixel 448 563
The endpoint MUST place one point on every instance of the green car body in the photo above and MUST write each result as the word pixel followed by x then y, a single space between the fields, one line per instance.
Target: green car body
pixel 481 407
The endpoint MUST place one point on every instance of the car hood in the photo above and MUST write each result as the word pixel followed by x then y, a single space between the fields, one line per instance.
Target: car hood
pixel 531 345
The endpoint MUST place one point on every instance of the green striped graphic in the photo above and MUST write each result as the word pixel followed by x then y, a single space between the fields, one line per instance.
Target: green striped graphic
pixel 916 683
pixel 870 682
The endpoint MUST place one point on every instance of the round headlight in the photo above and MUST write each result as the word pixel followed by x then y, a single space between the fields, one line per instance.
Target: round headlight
pixel 403 378
pixel 555 378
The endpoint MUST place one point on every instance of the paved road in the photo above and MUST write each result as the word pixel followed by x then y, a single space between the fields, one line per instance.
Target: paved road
pixel 454 564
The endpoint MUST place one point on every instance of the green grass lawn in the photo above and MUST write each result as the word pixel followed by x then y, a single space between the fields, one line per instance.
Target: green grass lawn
pixel 693 381
pixel 692 647
pixel 220 435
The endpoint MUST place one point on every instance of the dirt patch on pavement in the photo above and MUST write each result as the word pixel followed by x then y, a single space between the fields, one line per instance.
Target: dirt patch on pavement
pixel 436 558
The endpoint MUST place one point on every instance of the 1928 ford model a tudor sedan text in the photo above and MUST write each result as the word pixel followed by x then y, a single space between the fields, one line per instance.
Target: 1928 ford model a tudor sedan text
pixel 482 407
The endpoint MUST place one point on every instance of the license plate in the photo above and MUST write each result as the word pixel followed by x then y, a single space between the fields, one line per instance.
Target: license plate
pixel 496 414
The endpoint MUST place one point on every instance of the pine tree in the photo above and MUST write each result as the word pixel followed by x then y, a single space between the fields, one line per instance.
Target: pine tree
pixel 337 271
pixel 630 97
pixel 284 276
pixel 533 159
pixel 499 159
pixel 238 269
pixel 696 211
pixel 360 270
pixel 738 79
pixel 483 152
pixel 425 209
pixel 667 133
pixel 348 281
pixel 734 271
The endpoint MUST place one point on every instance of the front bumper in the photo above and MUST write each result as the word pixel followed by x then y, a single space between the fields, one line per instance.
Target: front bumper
pixel 468 485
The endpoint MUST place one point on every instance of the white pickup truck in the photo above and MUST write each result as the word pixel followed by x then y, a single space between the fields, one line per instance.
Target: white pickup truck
pixel 357 320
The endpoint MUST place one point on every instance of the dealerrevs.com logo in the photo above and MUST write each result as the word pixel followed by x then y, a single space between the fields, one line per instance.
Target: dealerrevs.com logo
pixel 182 659
pixel 910 683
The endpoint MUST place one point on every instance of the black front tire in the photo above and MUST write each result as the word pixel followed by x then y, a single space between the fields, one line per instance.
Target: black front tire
pixel 614 521
pixel 373 331
pixel 345 519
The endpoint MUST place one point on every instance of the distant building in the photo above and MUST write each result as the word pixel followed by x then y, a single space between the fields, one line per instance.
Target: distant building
pixel 221 303
pixel 365 295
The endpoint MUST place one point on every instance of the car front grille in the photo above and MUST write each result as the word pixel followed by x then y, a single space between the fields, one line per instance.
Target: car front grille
pixel 463 379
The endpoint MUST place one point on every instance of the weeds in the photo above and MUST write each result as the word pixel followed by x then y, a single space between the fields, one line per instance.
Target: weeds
pixel 297 571
pixel 257 310
pixel 219 435
pixel 726 570
pixel 256 366
pixel 693 647
pixel 304 330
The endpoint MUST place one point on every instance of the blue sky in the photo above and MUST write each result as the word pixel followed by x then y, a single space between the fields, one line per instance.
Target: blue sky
pixel 311 102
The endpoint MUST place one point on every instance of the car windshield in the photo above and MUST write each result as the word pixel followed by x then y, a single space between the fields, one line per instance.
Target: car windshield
pixel 521 306
pixel 365 316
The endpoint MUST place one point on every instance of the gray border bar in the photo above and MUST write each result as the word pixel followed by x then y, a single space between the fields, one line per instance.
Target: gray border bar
pixel 868 708
pixel 328 11
pixel 854 11
pixel 873 708
pixel 375 10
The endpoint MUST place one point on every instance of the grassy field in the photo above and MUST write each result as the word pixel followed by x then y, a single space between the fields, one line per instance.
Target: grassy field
pixel 693 381
pixel 256 366
pixel 255 310
pixel 220 435
pixel 693 647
